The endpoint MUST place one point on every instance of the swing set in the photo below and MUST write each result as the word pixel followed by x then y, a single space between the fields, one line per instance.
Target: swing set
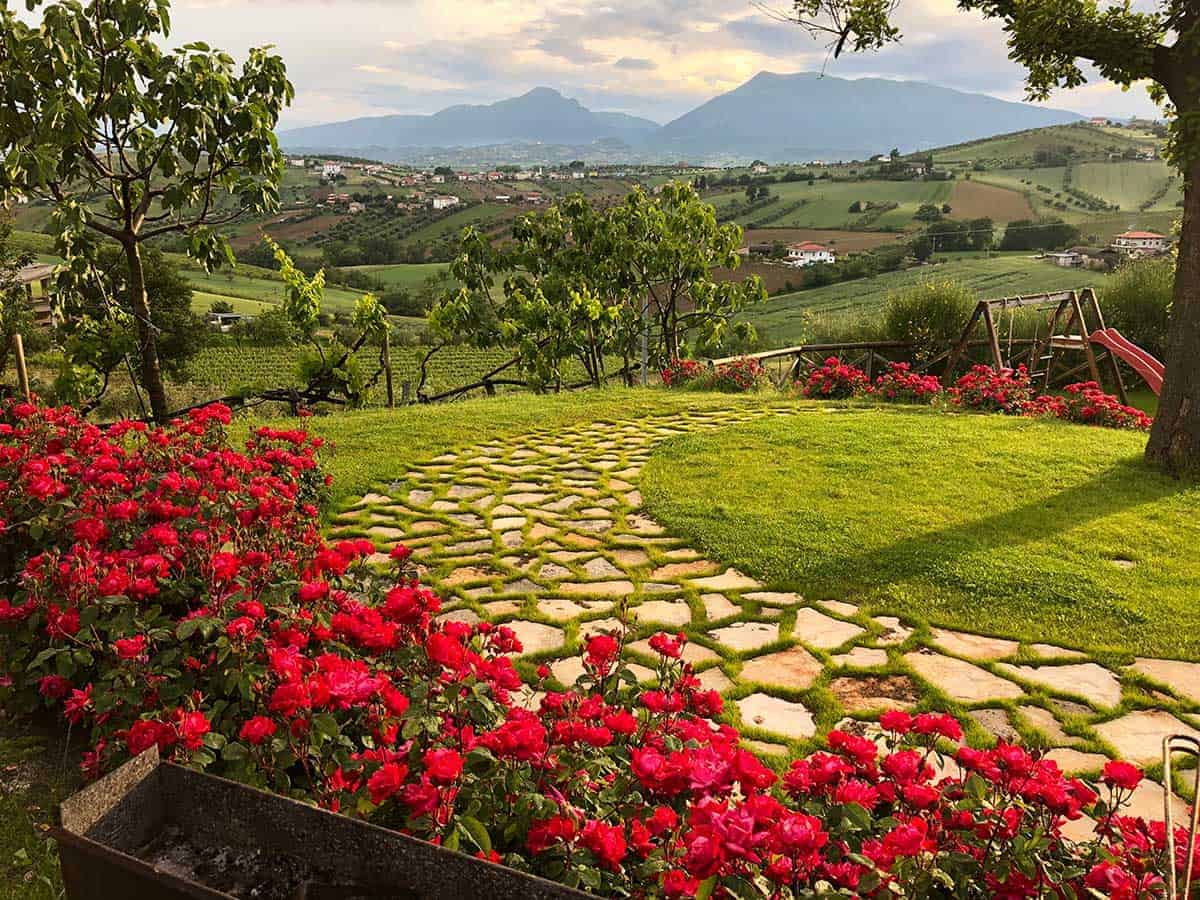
pixel 1075 323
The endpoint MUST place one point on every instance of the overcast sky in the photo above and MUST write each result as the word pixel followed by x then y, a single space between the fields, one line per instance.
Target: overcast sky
pixel 654 58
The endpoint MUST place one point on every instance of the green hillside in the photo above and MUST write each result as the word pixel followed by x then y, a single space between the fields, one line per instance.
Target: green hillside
pixel 790 318
pixel 404 275
pixel 1018 148
pixel 826 204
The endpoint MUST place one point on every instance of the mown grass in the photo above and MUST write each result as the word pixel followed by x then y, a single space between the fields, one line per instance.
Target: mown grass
pixel 1005 526
pixel 33 781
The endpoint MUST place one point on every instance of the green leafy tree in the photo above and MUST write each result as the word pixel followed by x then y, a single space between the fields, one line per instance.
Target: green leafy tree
pixel 134 143
pixel 1126 44
pixel 15 315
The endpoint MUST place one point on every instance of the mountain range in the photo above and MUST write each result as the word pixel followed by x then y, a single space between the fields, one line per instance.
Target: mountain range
pixel 776 118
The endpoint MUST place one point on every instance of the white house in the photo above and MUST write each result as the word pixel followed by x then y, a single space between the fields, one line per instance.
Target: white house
pixel 1141 243
pixel 355 208
pixel 1068 259
pixel 444 202
pixel 331 170
pixel 437 179
pixel 808 253
pixel 760 169
pixel 297 162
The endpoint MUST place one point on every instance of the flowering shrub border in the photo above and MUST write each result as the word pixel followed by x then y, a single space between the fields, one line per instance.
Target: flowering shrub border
pixel 738 376
pixel 173 592
pixel 836 380
pixel 900 384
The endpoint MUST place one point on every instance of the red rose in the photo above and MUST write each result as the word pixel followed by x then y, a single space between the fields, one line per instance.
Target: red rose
pixel 386 781
pixel 607 842
pixel 255 731
pixel 1123 775
pixel 54 687
pixel 443 766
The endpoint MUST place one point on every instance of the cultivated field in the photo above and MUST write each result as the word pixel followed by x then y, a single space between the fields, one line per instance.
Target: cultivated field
pixel 1131 184
pixel 827 204
pixel 974 200
pixel 1020 146
pixel 403 275
pixel 842 241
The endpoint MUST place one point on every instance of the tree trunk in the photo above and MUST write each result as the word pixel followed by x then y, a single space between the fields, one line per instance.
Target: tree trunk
pixel 152 379
pixel 1175 438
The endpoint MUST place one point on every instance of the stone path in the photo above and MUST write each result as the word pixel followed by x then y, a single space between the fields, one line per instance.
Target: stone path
pixel 546 533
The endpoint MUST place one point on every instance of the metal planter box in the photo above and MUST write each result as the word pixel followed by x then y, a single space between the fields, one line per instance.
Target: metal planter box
pixel 152 829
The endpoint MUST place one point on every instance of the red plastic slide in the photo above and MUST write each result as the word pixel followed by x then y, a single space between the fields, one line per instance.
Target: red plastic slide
pixel 1142 362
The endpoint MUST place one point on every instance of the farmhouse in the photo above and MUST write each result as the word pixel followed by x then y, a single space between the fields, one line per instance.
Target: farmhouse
pixel 1068 259
pixel 444 202
pixel 809 253
pixel 1141 243
pixel 331 170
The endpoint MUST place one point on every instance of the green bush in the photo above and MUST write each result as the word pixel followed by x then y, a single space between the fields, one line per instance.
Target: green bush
pixel 931 315
pixel 1137 302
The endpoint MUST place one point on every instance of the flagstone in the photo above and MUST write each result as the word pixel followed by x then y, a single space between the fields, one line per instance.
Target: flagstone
pixel 819 630
pixel 1093 682
pixel 682 569
pixel 1053 651
pixel 468 547
pixel 1047 723
pixel 566 556
pixel 508 523
pixel 539 531
pixel 1146 802
pixel 386 532
pixel 483 503
pixel 793 668
pixel 524 498
pixel 467 616
pixel 765 748
pixel 562 504
pixel 598 588
pixel 469 520
pixel 444 506
pixel 666 612
pixel 840 607
pixel 974 646
pixel 591 526
pixel 634 499
pixel 1075 762
pixel 617 484
pixel 1138 736
pixel 467 574
pixel 511 539
pixel 536 637
pixel 718 606
pixel 714 680
pixel 743 636
pixel 559 609
pixel 683 553
pixel 463 492
pixel 426 525
pixel 372 499
pixel 600 626
pixel 774 714
pixel 640 524
pixel 861 658
pixel 475 593
pixel 996 723
pixel 961 680
pixel 894 632
pixel 501 607
pixel 872 692
pixel 521 586
pixel 774 598
pixel 553 571
pixel 729 580
pixel 579 540
pixel 630 558
pixel 1183 678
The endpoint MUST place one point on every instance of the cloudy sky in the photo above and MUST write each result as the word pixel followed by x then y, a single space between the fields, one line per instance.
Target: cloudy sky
pixel 655 58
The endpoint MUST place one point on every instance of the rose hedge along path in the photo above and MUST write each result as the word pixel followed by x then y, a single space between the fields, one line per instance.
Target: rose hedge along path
pixel 545 533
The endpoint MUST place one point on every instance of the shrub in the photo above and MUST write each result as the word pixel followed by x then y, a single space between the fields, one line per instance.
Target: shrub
pixel 681 372
pixel 183 598
pixel 983 388
pixel 930 315
pixel 902 385
pixel 836 381
pixel 739 376
pixel 1137 302
pixel 1088 404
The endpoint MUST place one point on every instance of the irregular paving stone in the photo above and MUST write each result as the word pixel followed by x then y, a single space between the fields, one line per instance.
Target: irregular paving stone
pixel 563 503
pixel 819 630
pixel 419 497
pixel 553 571
pixel 692 652
pixel 840 607
pixel 1147 802
pixel 714 680
pixel 522 586
pixel 469 616
pixel 467 574
pixel 386 533
pixel 634 499
pixel 653 587
pixel 468 547
pixel 444 506
pixel 559 609
pixel 729 580
pixel 743 636
pixel 995 722
pixel 793 668
pixel 374 499
pixel 861 658
pixel 579 540
pixel 960 680
pixel 974 646
pixel 764 748
pixel 682 569
pixel 463 492
pixel 875 692
pixel 718 606
pixel 640 524
pixel 508 522
pixel 539 531
pixel 774 598
pixel 426 525
pixel 1047 723
pixel 893 631
pixel 667 612
pixel 1138 736
pixel 511 539
pixel 1183 678
pixel 630 558
pixel 468 520
pixel 501 607
pixel 536 637
pixel 1071 708
pixel 777 715
pixel 524 498
pixel 591 526
pixel 683 553
pixel 1074 762
pixel 600 626
pixel 1091 681
pixel 505 510
pixel 601 568
pixel 597 588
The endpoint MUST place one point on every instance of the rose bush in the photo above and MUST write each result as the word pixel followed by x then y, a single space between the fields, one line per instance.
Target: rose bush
pixel 900 384
pixel 682 372
pixel 836 381
pixel 1088 404
pixel 739 376
pixel 984 388
pixel 168 590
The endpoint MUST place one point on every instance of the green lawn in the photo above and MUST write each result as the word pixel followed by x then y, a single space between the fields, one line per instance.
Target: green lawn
pixel 788 318
pixel 1003 526
pixel 404 275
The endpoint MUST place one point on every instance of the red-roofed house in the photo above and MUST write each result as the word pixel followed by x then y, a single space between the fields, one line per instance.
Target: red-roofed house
pixel 1141 243
pixel 809 253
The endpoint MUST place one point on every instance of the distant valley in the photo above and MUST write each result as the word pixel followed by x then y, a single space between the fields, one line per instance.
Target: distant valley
pixel 776 118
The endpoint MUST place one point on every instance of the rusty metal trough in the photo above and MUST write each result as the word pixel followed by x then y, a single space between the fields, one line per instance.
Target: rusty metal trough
pixel 152 829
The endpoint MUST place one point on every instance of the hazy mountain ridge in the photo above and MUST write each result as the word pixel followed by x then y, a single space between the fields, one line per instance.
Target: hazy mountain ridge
pixel 778 118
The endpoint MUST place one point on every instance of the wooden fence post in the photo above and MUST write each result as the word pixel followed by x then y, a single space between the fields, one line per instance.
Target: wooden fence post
pixel 22 371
